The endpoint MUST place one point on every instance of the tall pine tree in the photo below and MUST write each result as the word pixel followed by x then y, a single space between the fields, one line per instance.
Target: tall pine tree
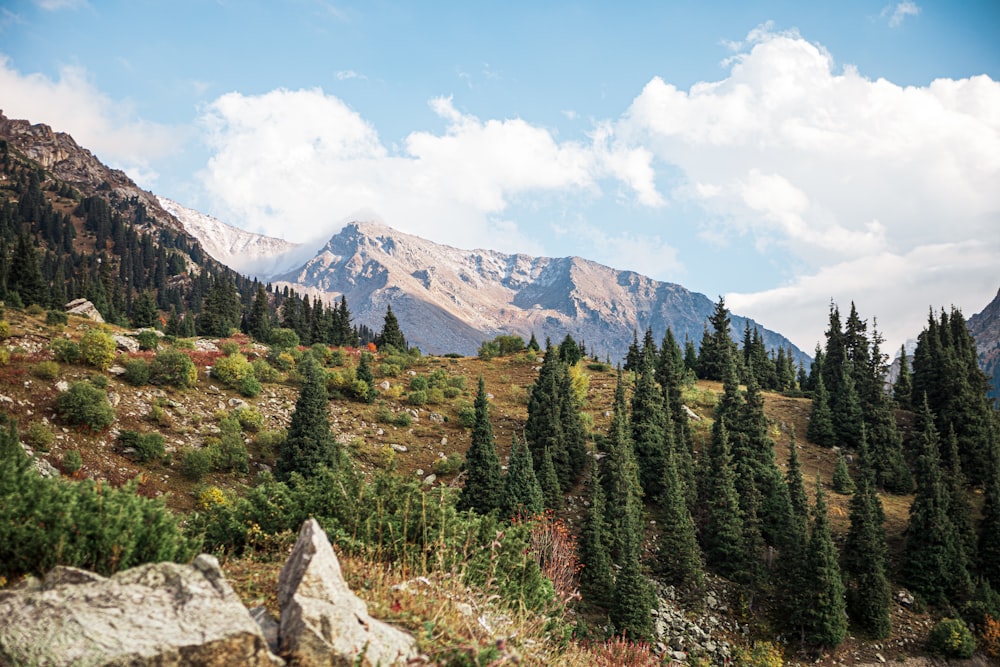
pixel 483 490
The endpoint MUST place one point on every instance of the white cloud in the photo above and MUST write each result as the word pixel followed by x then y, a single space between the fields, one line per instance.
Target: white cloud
pixel 627 251
pixel 347 74
pixel 899 13
pixel 56 5
pixel 838 171
pixel 295 163
pixel 72 104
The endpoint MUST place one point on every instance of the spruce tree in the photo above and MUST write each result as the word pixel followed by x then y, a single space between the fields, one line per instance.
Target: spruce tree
pixel 522 494
pixel 259 319
pixel 144 311
pixel 634 598
pixel 596 578
pixel 791 568
pixel 650 440
pixel 365 375
pixel 959 510
pixel 679 561
pixel 220 311
pixel 717 347
pixel 309 445
pixel 989 527
pixel 624 492
pixel 902 390
pixel 723 533
pixel 934 565
pixel 843 483
pixel 820 429
pixel 824 618
pixel 391 335
pixel 483 490
pixel 548 481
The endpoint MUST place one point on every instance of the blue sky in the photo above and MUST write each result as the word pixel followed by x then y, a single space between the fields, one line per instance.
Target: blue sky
pixel 784 154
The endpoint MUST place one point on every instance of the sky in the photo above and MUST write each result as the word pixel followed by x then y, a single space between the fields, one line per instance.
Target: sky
pixel 782 154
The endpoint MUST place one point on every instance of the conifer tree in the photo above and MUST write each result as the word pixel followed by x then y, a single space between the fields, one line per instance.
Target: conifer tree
pixel 533 343
pixel 820 429
pixel 934 565
pixel 886 446
pixel 902 391
pixel 717 346
pixel 310 444
pixel 548 481
pixel 220 311
pixel 364 374
pixel 824 618
pixel 623 490
pixel 723 533
pixel 522 494
pixel 391 335
pixel 596 578
pixel 679 561
pixel 989 527
pixel 843 483
pixel 865 556
pixel 650 440
pixel 959 510
pixel 259 319
pixel 483 490
pixel 144 311
pixel 792 571
pixel 634 598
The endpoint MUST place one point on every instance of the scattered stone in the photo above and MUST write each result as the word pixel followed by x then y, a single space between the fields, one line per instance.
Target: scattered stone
pixel 117 370
pixel 436 418
pixel 114 398
pixel 399 448
pixel 126 343
pixel 691 414
pixel 384 385
pixel 322 621
pixel 430 479
pixel 237 403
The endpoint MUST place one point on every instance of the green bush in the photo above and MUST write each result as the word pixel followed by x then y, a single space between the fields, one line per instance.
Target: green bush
pixel 85 405
pixel 97 349
pixel 55 318
pixel 147 446
pixel 46 370
pixel 4 356
pixel 448 466
pixel 403 419
pixel 49 522
pixel 99 381
pixel 452 392
pixel 148 340
pixel 38 436
pixel 72 462
pixel 4 330
pixel 196 463
pixel 229 453
pixel 283 339
pixel 136 372
pixel 250 419
pixel 457 381
pixel 231 370
pixel 467 416
pixel 268 443
pixel 951 638
pixel 418 397
pixel 35 310
pixel 173 368
pixel 418 383
pixel 283 361
pixel 250 386
pixel 435 396
pixel 338 357
pixel 65 351
pixel 265 372
pixel 229 347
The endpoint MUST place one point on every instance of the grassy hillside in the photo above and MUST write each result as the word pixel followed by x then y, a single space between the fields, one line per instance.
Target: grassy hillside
pixel 422 441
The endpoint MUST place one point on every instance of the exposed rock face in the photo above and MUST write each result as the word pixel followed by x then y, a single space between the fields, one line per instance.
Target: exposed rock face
pixel 985 329
pixel 83 308
pixel 451 300
pixel 160 614
pixel 322 621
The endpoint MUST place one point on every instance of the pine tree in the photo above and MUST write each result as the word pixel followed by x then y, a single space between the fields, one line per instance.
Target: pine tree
pixel 989 527
pixel 902 391
pixel 391 335
pixel 259 319
pixel 144 312
pixel 596 578
pixel 548 481
pixel 624 492
pixel 679 562
pixel 483 490
pixel 820 429
pixel 792 571
pixel 866 556
pixel 650 440
pixel 824 618
pixel 364 374
pixel 934 565
pixel 723 533
pixel 843 483
pixel 717 347
pixel 310 444
pixel 220 311
pixel 522 494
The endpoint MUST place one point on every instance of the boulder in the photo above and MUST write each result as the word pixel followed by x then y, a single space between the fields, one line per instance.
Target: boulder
pixel 322 621
pixel 83 308
pixel 125 343
pixel 161 614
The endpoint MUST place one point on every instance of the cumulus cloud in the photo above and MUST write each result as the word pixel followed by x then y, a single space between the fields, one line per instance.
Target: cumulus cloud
pixel 293 163
pixel 73 104
pixel 646 254
pixel 834 169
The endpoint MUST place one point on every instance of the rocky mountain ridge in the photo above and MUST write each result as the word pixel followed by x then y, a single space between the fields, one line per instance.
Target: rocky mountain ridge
pixel 985 329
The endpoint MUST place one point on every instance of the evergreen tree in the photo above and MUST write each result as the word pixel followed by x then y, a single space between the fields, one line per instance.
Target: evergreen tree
pixel 144 312
pixel 634 598
pixel 220 312
pixel 596 578
pixel 886 446
pixel 650 440
pixel 364 374
pixel 820 429
pixel 934 565
pixel 522 494
pixel 483 490
pixel 680 557
pixel 843 483
pixel 959 510
pixel 989 527
pixel 310 444
pixel 717 347
pixel 624 492
pixel 792 571
pixel 866 556
pixel 259 319
pixel 824 621
pixel 533 343
pixel 391 335
pixel 723 533
pixel 569 351
pixel 343 333
pixel 902 391
pixel 548 481
pixel 633 358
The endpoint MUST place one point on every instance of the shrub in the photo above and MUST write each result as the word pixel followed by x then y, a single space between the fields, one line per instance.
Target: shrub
pixel 250 419
pixel 229 347
pixel 268 443
pixel 448 466
pixel 951 638
pixel 435 396
pixel 418 397
pixel 147 446
pixel 418 383
pixel 148 340
pixel 97 349
pixel 72 462
pixel 65 351
pixel 338 357
pixel 599 366
pixel 4 330
pixel 85 405
pixel 452 392
pixel 231 370
pixel 761 654
pixel 211 496
pixel 264 372
pixel 457 381
pixel 55 318
pixel 136 372
pixel 4 356
pixel 250 386
pixel 47 370
pixel 196 463
pixel 403 419
pixel 467 416
pixel 283 339
pixel 321 352
pixel 38 436
pixel 230 454
pixel 173 368
pixel 99 381
pixel 35 310
pixel 388 370
pixel 283 361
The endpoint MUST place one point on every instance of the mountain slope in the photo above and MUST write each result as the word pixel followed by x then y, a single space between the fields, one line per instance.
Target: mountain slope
pixel 450 300
pixel 240 250
pixel 985 329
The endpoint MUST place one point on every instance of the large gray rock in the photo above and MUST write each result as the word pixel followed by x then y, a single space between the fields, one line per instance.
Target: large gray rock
pixel 322 621
pixel 161 615
pixel 83 308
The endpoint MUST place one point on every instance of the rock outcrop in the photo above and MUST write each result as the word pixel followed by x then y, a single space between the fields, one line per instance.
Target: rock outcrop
pixel 161 614
pixel 322 621
pixel 83 308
